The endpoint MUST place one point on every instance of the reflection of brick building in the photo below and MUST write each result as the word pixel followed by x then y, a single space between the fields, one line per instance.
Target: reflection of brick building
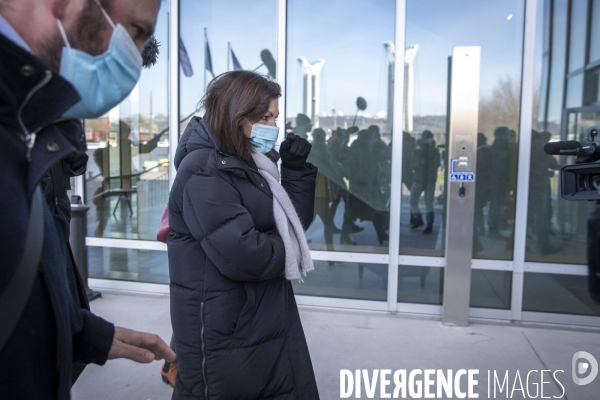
pixel 97 130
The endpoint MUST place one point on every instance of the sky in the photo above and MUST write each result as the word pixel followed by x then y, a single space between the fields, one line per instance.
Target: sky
pixel 155 78
pixel 250 27
pixel 349 35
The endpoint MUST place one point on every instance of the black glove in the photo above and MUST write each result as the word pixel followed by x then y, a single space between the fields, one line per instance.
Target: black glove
pixel 294 152
pixel 77 162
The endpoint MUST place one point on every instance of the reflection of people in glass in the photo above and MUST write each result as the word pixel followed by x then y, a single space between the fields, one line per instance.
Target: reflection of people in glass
pixel 540 207
pixel 338 148
pixel 303 126
pixel 382 158
pixel 501 157
pixel 425 164
pixel 233 249
pixel 98 199
pixel 408 149
pixel 362 170
pixel 484 182
pixel 321 158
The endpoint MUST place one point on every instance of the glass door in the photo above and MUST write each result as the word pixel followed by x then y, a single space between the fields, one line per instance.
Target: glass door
pixel 433 29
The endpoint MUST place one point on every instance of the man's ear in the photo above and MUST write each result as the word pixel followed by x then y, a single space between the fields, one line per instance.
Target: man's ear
pixel 58 7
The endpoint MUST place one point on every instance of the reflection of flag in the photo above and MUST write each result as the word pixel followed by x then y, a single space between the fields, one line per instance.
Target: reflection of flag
pixel 184 60
pixel 207 58
pixel 236 64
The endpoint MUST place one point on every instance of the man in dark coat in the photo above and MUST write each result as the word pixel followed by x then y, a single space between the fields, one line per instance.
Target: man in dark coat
pixel 51 332
pixel 425 165
pixel 321 158
pixel 235 321
pixel 502 158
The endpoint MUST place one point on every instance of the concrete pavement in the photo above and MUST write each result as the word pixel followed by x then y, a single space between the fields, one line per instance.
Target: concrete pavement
pixel 342 339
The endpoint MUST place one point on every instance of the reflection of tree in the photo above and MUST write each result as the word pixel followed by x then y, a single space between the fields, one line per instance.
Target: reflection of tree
pixel 501 108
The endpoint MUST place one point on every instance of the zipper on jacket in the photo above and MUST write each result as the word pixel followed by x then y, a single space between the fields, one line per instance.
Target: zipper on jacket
pixel 30 136
pixel 203 355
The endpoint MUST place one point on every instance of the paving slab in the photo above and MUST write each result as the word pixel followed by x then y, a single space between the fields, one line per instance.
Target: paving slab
pixel 356 340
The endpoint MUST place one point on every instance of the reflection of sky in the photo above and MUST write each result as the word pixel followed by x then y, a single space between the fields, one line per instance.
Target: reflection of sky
pixel 436 26
pixel 250 26
pixel 349 35
pixel 155 78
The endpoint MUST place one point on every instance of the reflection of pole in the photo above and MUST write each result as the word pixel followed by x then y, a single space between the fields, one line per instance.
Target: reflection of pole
pixel 391 53
pixel 355 116
pixel 409 57
pixel 228 52
pixel 334 119
pixel 205 55
pixel 312 91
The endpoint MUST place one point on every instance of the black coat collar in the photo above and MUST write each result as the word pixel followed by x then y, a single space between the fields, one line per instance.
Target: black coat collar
pixel 41 96
pixel 20 72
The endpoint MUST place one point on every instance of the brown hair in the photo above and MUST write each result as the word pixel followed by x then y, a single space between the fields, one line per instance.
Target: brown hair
pixel 231 99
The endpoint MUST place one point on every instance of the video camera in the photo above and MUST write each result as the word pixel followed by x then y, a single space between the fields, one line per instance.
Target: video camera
pixel 581 181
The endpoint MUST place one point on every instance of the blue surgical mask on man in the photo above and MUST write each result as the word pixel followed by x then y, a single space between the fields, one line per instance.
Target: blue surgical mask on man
pixel 263 137
pixel 103 81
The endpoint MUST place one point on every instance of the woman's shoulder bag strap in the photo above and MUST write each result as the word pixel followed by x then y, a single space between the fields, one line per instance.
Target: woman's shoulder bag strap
pixel 14 298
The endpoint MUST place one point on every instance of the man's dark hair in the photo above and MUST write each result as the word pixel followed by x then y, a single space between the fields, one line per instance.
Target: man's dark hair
pixel 150 52
pixel 233 99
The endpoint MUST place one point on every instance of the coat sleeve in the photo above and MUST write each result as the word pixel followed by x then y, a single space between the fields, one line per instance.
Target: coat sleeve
pixel 300 186
pixel 214 214
pixel 92 338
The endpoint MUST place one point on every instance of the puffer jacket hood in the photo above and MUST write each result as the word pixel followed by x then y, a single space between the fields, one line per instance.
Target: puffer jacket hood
pixel 196 136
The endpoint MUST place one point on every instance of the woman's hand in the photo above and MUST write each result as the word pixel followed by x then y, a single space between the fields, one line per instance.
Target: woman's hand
pixel 294 152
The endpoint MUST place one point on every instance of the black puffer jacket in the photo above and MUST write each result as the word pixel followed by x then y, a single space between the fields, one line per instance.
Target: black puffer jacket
pixel 235 320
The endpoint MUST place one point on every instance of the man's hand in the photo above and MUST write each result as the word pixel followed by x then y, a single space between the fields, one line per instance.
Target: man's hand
pixel 139 346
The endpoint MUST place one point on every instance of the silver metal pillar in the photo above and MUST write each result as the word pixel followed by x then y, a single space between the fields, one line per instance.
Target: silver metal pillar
pixel 462 159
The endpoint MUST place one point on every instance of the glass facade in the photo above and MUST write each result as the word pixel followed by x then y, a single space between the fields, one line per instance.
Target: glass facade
pixel 433 28
pixel 215 38
pixel 557 229
pixel 343 94
pixel 562 294
pixel 338 92
pixel 127 181
pixel 347 280
pixel 128 264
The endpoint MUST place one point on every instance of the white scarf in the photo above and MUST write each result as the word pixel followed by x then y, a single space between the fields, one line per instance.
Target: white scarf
pixel 297 254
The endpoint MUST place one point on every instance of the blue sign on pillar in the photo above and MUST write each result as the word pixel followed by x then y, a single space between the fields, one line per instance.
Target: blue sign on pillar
pixel 460 176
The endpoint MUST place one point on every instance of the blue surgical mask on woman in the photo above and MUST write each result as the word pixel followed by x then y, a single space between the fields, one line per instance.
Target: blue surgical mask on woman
pixel 264 137
pixel 103 81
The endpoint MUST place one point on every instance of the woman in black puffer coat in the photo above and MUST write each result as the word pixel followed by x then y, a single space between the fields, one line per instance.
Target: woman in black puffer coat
pixel 235 321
